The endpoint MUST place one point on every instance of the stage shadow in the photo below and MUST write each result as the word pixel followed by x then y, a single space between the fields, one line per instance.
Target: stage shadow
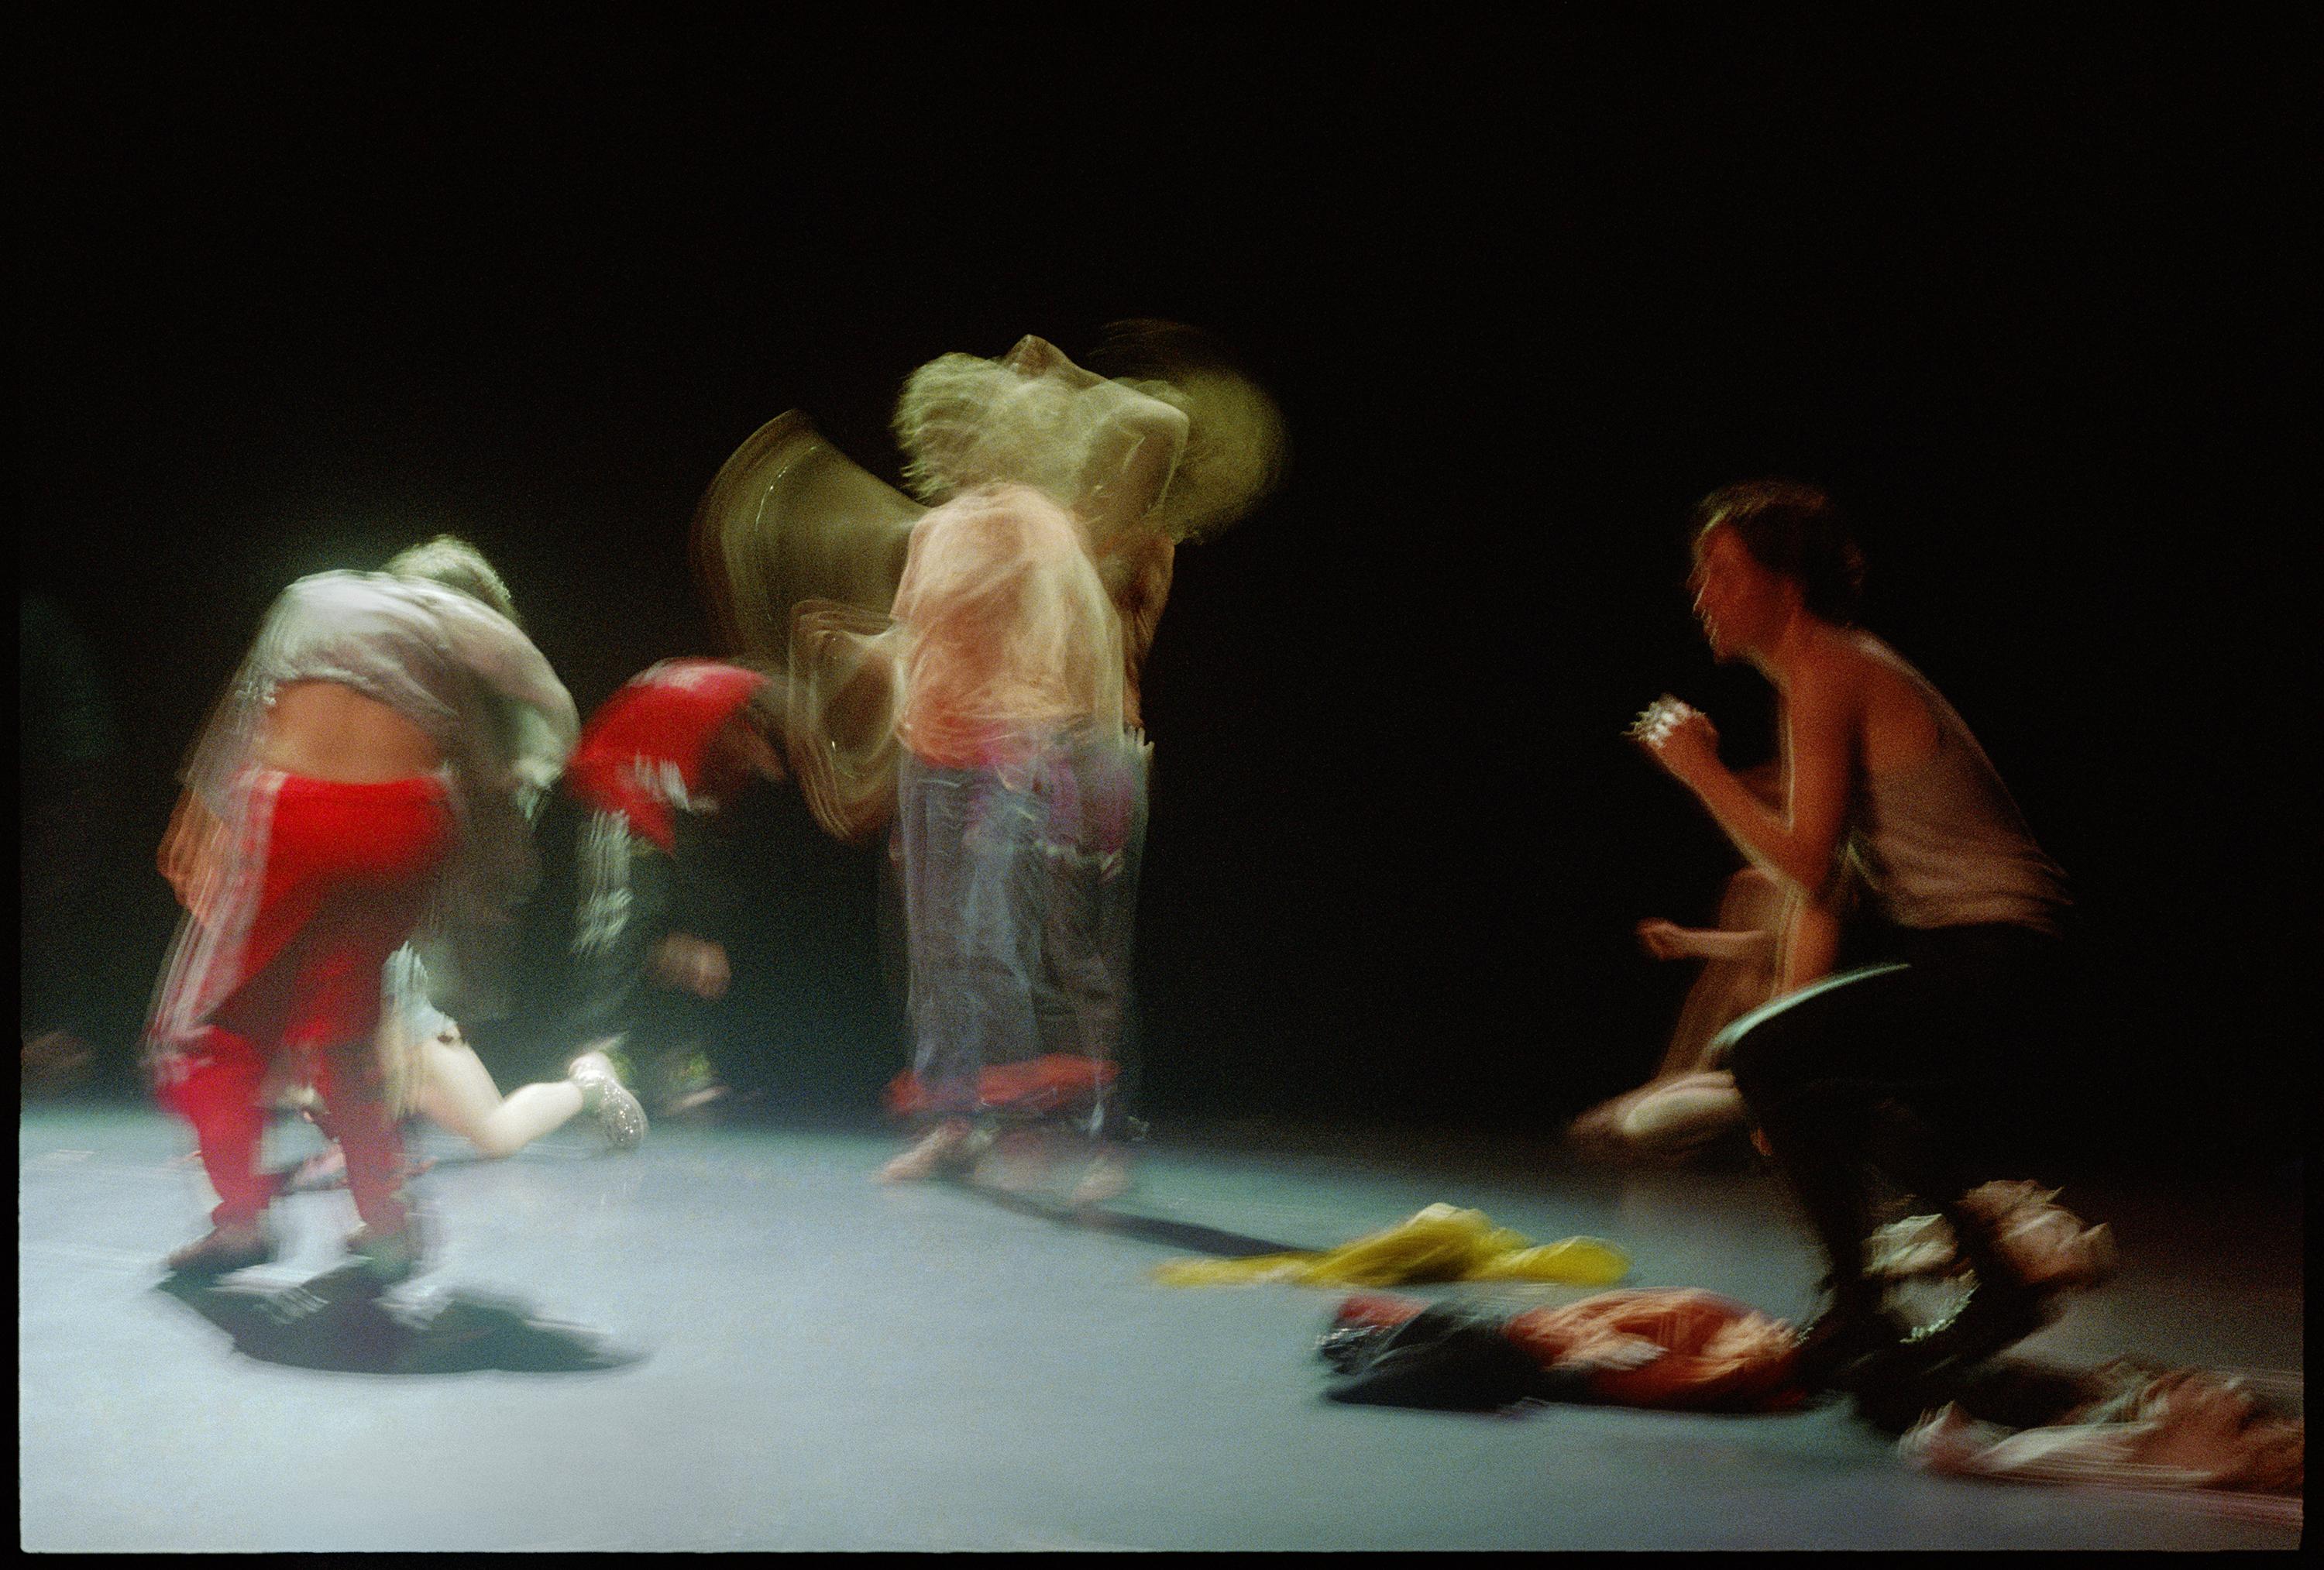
pixel 1185 1235
pixel 338 1323
pixel 307 1177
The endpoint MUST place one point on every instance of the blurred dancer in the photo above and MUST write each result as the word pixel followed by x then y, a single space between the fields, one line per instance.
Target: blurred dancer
pixel 1692 1103
pixel 802 552
pixel 1885 1067
pixel 1174 449
pixel 1173 446
pixel 372 764
pixel 1740 952
pixel 653 765
pixel 1139 463
pixel 1014 761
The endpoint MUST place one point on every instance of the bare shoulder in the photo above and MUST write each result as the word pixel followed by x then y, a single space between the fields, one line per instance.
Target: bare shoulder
pixel 1879 670
pixel 1900 725
pixel 1857 661
pixel 1836 676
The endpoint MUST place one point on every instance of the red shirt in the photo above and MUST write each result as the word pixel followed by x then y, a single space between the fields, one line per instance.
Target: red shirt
pixel 646 753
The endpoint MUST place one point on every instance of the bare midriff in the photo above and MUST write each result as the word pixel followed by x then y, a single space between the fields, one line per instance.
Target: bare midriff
pixel 330 732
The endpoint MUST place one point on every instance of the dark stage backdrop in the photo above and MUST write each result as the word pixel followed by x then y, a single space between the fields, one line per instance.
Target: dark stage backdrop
pixel 294 294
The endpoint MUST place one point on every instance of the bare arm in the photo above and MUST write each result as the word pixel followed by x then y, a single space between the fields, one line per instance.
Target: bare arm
pixel 1800 844
pixel 1668 941
pixel 1136 449
pixel 1132 464
pixel 1137 577
pixel 188 849
pixel 540 723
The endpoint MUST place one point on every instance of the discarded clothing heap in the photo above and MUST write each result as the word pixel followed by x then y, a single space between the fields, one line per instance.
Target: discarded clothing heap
pixel 2127 1425
pixel 1441 1243
pixel 1680 1349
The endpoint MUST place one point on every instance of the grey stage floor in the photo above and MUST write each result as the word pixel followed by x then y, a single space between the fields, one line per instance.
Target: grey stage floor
pixel 818 1362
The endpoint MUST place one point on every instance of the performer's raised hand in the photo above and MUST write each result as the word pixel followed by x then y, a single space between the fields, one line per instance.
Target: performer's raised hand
pixel 1033 355
pixel 1680 737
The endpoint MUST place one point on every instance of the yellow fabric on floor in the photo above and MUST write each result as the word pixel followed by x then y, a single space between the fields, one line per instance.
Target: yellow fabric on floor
pixel 1441 1243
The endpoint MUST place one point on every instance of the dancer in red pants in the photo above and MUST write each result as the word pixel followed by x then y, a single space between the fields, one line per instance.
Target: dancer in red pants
pixel 372 766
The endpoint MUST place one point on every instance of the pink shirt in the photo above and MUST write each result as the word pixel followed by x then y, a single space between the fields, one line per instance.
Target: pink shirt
pixel 1012 635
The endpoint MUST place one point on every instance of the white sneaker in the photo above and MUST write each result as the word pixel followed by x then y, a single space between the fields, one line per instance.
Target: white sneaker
pixel 2049 1246
pixel 621 1116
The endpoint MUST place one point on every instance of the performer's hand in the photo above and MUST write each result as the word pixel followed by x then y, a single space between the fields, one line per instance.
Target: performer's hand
pixel 1682 740
pixel 174 859
pixel 1690 748
pixel 692 964
pixel 1663 940
pixel 1036 356
pixel 188 850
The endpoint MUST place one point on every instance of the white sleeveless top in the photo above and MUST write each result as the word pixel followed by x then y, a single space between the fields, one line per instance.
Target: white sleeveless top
pixel 1943 843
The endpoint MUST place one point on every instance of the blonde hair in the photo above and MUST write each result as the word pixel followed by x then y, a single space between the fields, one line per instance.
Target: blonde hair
pixel 965 421
pixel 454 563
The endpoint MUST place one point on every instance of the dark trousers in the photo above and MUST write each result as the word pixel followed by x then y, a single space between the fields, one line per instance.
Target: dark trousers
pixel 623 909
pixel 1896 1073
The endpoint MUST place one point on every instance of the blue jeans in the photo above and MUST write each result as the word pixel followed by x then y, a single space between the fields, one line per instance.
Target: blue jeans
pixel 1020 889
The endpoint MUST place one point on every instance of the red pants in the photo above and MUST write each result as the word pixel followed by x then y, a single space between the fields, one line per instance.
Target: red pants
pixel 329 880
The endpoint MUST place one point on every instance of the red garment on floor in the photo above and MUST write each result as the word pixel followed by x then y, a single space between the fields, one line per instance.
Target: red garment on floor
pixel 328 880
pixel 646 752
pixel 1678 1349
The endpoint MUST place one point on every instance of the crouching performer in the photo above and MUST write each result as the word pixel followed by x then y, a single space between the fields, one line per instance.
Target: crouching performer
pixel 369 772
pixel 1895 1073
pixel 655 764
